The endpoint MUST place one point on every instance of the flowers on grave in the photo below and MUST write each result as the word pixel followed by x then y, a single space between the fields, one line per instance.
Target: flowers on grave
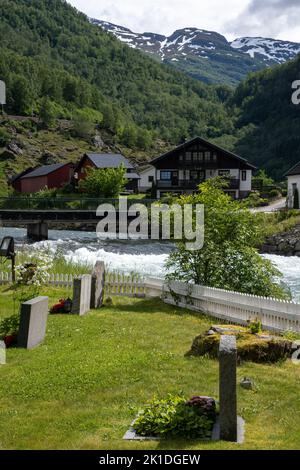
pixel 63 306
pixel 32 275
pixel 9 328
pixel 36 271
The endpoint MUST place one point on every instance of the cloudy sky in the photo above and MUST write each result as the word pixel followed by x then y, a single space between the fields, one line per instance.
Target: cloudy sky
pixel 233 18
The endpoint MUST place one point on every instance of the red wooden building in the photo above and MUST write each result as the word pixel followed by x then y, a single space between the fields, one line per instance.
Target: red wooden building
pixel 48 176
pixel 108 160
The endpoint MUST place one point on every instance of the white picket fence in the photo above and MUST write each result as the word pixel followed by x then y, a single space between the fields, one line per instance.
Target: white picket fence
pixel 121 284
pixel 234 307
pixel 115 284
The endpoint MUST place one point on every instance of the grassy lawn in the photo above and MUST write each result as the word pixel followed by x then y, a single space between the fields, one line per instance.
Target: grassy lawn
pixel 83 386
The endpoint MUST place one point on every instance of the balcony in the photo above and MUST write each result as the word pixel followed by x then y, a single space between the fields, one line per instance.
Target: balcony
pixel 179 184
pixel 233 184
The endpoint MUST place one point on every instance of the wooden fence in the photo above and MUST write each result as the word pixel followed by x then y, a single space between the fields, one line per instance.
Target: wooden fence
pixel 234 307
pixel 115 283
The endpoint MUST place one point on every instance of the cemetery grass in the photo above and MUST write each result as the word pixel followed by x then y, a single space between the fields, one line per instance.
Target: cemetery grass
pixel 83 386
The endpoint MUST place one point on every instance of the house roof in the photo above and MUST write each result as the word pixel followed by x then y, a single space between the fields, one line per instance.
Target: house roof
pixel 109 160
pixel 295 170
pixel 132 176
pixel 44 170
pixel 209 144
pixel 15 178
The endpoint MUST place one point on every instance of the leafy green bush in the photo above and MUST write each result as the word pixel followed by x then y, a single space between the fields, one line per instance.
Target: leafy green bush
pixel 4 137
pixel 274 193
pixel 177 417
pixel 107 182
pixel 9 325
pixel 255 326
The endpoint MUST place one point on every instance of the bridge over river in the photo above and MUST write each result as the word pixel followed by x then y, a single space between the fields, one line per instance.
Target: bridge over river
pixel 37 214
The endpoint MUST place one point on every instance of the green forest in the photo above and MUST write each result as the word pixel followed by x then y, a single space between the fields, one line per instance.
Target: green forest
pixel 49 49
pixel 56 64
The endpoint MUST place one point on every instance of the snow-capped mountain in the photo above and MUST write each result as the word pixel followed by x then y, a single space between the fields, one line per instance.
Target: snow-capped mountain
pixel 270 50
pixel 207 55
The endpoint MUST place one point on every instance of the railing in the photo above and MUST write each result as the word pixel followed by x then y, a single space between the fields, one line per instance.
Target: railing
pixel 234 307
pixel 59 203
pixel 115 284
pixel 233 183
pixel 124 285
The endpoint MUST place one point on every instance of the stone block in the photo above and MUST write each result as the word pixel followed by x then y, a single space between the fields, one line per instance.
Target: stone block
pixel 33 322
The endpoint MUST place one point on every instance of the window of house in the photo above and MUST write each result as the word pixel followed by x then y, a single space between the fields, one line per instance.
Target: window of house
pixel 244 175
pixel 188 156
pixel 207 156
pixel 194 175
pixel 201 157
pixel 165 175
pixel 150 179
pixel 214 157
pixel 224 172
pixel 181 158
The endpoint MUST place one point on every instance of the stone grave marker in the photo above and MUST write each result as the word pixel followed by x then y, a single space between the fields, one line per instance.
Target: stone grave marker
pixel 227 384
pixel 33 322
pixel 98 280
pixel 82 294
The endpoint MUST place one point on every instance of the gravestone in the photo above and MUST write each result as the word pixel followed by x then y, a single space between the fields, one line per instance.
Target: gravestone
pixel 98 280
pixel 82 294
pixel 2 353
pixel 228 394
pixel 33 322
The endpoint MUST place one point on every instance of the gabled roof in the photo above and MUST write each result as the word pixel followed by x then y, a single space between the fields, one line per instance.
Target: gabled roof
pixel 15 178
pixel 208 144
pixel 109 160
pixel 44 170
pixel 295 170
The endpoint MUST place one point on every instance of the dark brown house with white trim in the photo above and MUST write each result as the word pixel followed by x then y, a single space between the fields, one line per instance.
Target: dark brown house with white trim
pixel 182 169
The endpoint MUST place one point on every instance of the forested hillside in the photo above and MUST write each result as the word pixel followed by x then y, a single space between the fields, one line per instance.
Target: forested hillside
pixel 49 49
pixel 268 120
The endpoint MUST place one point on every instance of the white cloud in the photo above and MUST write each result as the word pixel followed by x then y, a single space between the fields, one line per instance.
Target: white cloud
pixel 272 18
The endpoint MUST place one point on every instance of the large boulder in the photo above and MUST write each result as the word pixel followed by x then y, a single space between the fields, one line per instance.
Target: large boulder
pixel 251 347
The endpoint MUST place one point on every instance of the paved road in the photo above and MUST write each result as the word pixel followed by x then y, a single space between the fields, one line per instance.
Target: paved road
pixel 274 206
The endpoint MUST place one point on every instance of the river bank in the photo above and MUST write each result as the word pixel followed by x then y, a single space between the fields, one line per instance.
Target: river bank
pixel 146 257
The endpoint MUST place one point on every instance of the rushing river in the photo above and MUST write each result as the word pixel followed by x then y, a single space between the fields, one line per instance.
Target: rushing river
pixel 145 257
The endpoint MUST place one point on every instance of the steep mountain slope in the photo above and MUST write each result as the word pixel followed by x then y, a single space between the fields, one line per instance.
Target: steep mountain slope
pixel 271 51
pixel 49 49
pixel 268 120
pixel 207 55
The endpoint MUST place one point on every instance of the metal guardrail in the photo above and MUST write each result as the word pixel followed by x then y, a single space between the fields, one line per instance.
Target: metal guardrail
pixel 58 203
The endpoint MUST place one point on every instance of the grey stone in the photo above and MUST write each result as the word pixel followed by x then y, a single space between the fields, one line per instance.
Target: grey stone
pixel 297 246
pixel 33 322
pixel 240 431
pixel 14 147
pixel 82 295
pixel 97 287
pixel 97 141
pixel 246 383
pixel 227 384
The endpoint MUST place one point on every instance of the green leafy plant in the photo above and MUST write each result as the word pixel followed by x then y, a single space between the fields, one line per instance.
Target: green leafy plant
pixel 255 326
pixel 174 416
pixel 9 325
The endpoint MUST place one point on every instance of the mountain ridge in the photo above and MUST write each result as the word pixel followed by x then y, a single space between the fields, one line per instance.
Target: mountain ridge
pixel 207 55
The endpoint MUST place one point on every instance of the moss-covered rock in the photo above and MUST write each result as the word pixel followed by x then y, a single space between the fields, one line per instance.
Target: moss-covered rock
pixel 251 347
